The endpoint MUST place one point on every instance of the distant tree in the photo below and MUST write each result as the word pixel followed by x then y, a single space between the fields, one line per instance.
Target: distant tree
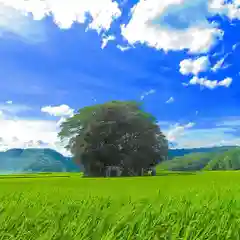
pixel 114 134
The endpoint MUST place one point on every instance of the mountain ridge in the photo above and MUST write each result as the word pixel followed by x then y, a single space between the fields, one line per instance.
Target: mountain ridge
pixel 35 160
pixel 221 158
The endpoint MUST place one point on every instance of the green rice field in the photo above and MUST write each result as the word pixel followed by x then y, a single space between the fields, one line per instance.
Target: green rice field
pixel 205 205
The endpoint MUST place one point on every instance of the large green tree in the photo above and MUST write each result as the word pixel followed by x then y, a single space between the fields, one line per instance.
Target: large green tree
pixel 114 134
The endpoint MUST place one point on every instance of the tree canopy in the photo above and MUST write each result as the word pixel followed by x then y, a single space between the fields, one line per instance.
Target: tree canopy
pixel 117 133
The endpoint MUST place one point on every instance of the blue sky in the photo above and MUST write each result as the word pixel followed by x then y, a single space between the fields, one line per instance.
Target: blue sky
pixel 179 57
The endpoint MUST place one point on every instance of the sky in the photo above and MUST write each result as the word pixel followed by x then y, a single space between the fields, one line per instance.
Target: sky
pixel 180 58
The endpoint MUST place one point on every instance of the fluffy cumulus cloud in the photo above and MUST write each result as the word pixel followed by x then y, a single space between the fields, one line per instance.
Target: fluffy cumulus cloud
pixel 173 25
pixel 63 111
pixel 166 24
pixel 58 111
pixel 211 84
pixel 202 64
pixel 65 13
pixel 231 9
pixel 194 66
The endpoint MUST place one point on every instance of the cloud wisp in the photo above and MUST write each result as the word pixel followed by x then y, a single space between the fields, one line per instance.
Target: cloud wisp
pixel 152 91
pixel 170 100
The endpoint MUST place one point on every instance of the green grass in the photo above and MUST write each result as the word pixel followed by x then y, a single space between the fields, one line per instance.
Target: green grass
pixel 204 205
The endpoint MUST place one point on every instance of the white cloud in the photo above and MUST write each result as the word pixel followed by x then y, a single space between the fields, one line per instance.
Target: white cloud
pixel 177 131
pixel 152 91
pixel 123 48
pixel 170 100
pixel 225 132
pixel 172 25
pixel 13 21
pixel 226 82
pixel 204 82
pixel 234 47
pixel 194 66
pixel 10 108
pixel 185 84
pixel 64 13
pixel 186 136
pixel 189 125
pixel 9 102
pixel 58 111
pixel 19 132
pixel 202 64
pixel 105 40
pixel 208 137
pixel 220 64
pixel 211 84
pixel 16 133
pixel 230 9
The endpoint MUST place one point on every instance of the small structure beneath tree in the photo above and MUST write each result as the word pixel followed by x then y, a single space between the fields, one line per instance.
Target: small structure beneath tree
pixel 113 171
pixel 150 171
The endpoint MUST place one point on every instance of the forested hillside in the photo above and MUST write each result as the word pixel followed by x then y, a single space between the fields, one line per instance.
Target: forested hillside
pixel 229 160
pixel 222 158
pixel 35 160
pixel 172 153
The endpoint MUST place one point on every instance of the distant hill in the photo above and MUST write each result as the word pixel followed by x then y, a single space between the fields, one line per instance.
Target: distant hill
pixel 217 158
pixel 35 160
pixel 229 160
pixel 172 153
pixel 188 162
